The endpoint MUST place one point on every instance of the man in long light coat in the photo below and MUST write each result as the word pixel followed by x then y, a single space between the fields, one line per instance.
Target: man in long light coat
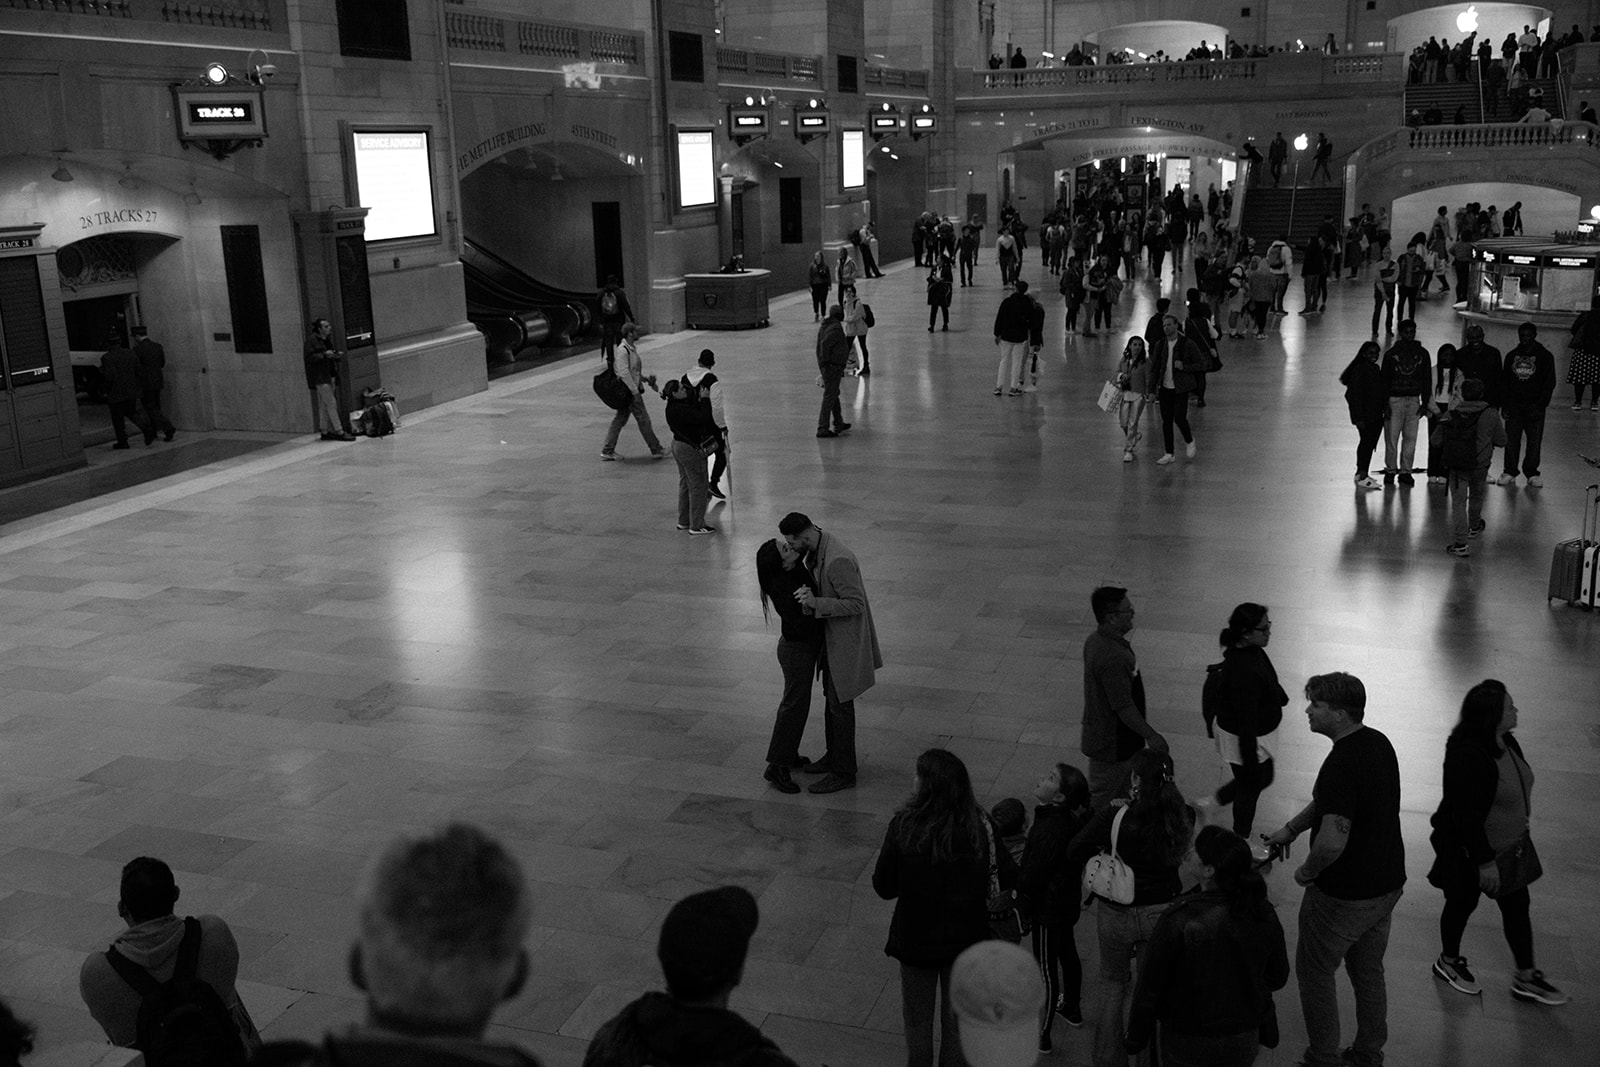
pixel 850 645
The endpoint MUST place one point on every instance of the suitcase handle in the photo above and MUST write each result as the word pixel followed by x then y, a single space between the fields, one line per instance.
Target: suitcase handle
pixel 1590 530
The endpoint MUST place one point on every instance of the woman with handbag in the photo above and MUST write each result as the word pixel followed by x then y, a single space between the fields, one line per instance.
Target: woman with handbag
pixel 1481 842
pixel 857 321
pixel 1133 378
pixel 939 862
pixel 1216 957
pixel 1146 832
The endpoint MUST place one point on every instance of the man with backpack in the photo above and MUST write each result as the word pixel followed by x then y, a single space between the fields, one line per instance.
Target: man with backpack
pixel 1279 260
pixel 701 376
pixel 615 312
pixel 1466 439
pixel 166 985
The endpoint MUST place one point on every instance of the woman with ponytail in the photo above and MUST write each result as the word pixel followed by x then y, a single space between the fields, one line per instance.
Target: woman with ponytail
pixel 1213 963
pixel 1243 694
pixel 1153 841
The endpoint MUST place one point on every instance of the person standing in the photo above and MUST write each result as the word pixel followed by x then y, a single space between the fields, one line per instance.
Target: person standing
pixel 1280 261
pixel 820 281
pixel 1172 368
pixel 1262 286
pixel 1583 365
pixel 1481 843
pixel 850 653
pixel 694 436
pixel 919 234
pixel 119 369
pixel 939 292
pixel 1319 161
pixel 857 321
pixel 1313 276
pixel 1049 895
pixel 1012 330
pixel 152 363
pixel 1115 728
pixel 1408 373
pixel 869 259
pixel 1199 329
pixel 1353 874
pixel 1277 156
pixel 1412 280
pixel 971 235
pixel 845 272
pixel 701 376
pixel 1483 362
pixel 781 572
pixel 1527 382
pixel 833 352
pixel 1478 428
pixel 1368 399
pixel 1244 700
pixel 1073 292
pixel 322 362
pixel 615 312
pixel 1006 255
pixel 627 366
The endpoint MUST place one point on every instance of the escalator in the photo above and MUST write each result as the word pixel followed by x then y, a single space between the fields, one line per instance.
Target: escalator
pixel 515 311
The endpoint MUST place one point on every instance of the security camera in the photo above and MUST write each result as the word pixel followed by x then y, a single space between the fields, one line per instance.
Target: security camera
pixel 265 72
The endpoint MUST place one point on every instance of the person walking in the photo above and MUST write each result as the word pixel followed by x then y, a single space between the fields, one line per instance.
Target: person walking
pixel 152 359
pixel 1214 960
pixel 1133 378
pixel 1386 271
pixel 1101 287
pixel 781 572
pixel 1115 727
pixel 1173 362
pixel 1049 896
pixel 1527 383
pixel 627 366
pixel 1412 279
pixel 1408 373
pixel 940 288
pixel 845 272
pixel 321 363
pixel 1150 827
pixel 119 370
pixel 694 437
pixel 857 321
pixel 702 376
pixel 935 864
pixel 1313 276
pixel 821 281
pixel 968 245
pixel 1583 365
pixel 1481 842
pixel 919 235
pixel 615 312
pixel 1319 161
pixel 1007 256
pixel 1199 328
pixel 850 653
pixel 1367 396
pixel 1277 156
pixel 1013 322
pixel 1073 293
pixel 1353 874
pixel 833 352
pixel 1243 703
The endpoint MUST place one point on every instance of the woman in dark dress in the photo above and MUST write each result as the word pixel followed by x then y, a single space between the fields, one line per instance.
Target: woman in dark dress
pixel 936 864
pixel 781 572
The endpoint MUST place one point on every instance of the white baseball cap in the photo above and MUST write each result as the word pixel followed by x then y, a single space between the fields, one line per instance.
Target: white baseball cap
pixel 997 994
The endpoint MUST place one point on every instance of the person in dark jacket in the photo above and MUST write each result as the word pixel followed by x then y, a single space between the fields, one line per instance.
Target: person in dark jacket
pixel 694 437
pixel 821 281
pixel 1048 893
pixel 1013 327
pixel 322 362
pixel 833 352
pixel 1527 383
pixel 1172 367
pixel 1483 815
pixel 781 572
pixel 1368 399
pixel 1466 483
pixel 1249 706
pixel 940 287
pixel 152 362
pixel 1197 323
pixel 702 948
pixel 1214 960
pixel 1408 373
pixel 615 313
pixel 1483 362
pixel 1153 840
pixel 935 865
pixel 119 368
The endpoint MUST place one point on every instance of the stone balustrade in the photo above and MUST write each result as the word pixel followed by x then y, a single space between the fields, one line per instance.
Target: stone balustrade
pixel 1285 69
pixel 260 15
pixel 536 40
pixel 734 64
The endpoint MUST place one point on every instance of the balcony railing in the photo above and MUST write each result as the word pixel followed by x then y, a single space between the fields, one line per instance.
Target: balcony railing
pixel 1285 69
pixel 733 63
pixel 537 40
pixel 885 78
pixel 1503 135
pixel 223 14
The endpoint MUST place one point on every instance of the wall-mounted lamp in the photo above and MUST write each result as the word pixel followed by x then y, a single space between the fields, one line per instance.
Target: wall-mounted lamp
pixel 192 197
pixel 216 74
pixel 128 181
pixel 61 173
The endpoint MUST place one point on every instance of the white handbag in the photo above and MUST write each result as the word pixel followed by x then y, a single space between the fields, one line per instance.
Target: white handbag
pixel 1110 398
pixel 1106 875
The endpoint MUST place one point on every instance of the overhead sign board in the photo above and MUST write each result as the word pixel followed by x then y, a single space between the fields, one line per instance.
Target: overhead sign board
pixel 229 112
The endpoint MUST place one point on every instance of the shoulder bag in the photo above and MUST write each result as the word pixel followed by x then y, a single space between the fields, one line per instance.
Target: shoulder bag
pixel 1005 922
pixel 1106 875
pixel 1519 864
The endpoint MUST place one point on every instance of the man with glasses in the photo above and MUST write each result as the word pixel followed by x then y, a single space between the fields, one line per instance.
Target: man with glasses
pixel 1114 726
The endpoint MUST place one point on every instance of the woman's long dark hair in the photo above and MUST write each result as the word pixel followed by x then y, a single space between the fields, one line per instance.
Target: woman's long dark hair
pixel 1481 711
pixel 1127 351
pixel 1245 618
pixel 943 813
pixel 1157 804
pixel 1228 856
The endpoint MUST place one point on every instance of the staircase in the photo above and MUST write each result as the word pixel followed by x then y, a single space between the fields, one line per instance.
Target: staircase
pixel 1266 212
pixel 1446 96
pixel 1510 109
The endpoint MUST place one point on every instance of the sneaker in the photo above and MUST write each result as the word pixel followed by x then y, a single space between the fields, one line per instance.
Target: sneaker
pixel 683 526
pixel 1261 337
pixel 1368 482
pixel 1594 405
pixel 998 390
pixel 659 453
pixel 1436 479
pixel 1535 482
pixel 1577 407
pixel 1030 388
pixel 1407 479
pixel 609 456
pixel 1538 990
pixel 1164 460
pixel 1506 479
pixel 1458 549
pixel 1014 391
pixel 1127 455
pixel 1190 449
pixel 1045 1045
pixel 716 493
pixel 1073 1015
pixel 842 427
pixel 699 530
pixel 1455 972
pixel 1477 528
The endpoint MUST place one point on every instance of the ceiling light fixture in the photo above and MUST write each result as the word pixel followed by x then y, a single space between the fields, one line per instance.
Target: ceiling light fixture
pixel 192 197
pixel 61 173
pixel 128 181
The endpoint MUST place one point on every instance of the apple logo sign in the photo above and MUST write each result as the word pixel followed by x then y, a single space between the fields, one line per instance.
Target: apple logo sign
pixel 1467 21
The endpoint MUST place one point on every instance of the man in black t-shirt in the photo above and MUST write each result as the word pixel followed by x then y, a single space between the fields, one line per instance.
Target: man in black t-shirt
pixel 1353 874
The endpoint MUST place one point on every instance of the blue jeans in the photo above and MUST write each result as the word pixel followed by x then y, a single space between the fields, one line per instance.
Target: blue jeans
pixel 1124 931
pixel 1400 434
pixel 692 490
pixel 1357 933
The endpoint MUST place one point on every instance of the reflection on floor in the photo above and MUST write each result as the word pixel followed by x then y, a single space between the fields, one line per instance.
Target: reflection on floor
pixel 261 676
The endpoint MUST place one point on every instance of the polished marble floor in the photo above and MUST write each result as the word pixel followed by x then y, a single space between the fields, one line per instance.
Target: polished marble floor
pixel 262 670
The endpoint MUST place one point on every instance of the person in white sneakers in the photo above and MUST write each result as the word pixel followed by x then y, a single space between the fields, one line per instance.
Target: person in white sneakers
pixel 1172 366
pixel 1133 376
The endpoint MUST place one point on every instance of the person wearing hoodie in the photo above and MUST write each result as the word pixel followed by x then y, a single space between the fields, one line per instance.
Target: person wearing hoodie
pixel 1280 261
pixel 1248 706
pixel 1527 382
pixel 1048 894
pixel 1468 479
pixel 1368 399
pixel 1408 373
pixel 702 948
pixel 1013 330
pixel 151 941
pixel 698 376
pixel 615 312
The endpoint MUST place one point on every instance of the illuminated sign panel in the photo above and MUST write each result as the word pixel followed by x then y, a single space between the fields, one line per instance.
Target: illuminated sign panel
pixel 885 122
pixel 748 121
pixel 394 180
pixel 852 159
pixel 1524 261
pixel 219 114
pixel 697 170
pixel 924 123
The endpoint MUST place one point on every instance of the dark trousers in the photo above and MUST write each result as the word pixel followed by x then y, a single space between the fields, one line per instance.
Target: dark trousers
pixel 1249 779
pixel 933 313
pixel 610 334
pixel 869 266
pixel 1436 467
pixel 1371 433
pixel 799 660
pixel 1057 954
pixel 1102 313
pixel 1406 303
pixel 1523 421
pixel 916 252
pixel 1200 387
pixel 1258 314
pixel 1174 410
pixel 150 400
pixel 128 410
pixel 968 261
pixel 1463 276
pixel 839 725
pixel 924 996
pixel 830 399
pixel 819 298
pixel 860 340
pixel 719 465
pixel 1514 918
pixel 1072 314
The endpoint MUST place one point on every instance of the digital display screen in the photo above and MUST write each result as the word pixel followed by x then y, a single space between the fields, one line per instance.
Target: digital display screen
pixel 813 122
pixel 219 114
pixel 200 114
pixel 852 159
pixel 394 181
pixel 697 169
pixel 885 122
pixel 923 122
pixel 749 120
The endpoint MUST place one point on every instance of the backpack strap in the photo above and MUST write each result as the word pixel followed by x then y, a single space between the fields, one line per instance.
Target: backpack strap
pixel 188 950
pixel 142 981
pixel 136 976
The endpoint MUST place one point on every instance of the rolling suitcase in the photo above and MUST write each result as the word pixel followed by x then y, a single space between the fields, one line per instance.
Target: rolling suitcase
pixel 1578 559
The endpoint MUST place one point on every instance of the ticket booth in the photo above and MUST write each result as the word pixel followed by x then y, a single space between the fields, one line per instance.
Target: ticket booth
pixel 39 411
